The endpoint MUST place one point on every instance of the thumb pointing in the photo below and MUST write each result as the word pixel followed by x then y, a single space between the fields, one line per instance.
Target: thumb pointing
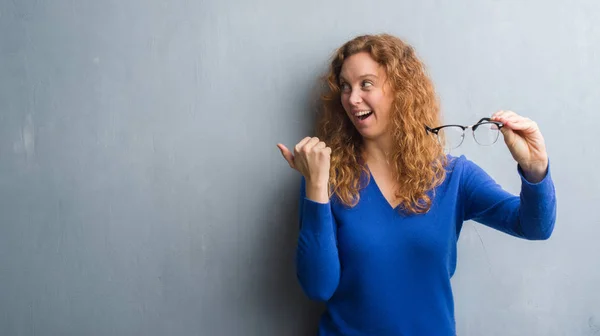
pixel 287 155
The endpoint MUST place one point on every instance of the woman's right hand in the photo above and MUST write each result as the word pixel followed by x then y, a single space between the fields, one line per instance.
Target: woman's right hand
pixel 312 158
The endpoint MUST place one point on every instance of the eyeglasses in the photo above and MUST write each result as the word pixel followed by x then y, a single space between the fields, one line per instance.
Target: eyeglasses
pixel 485 133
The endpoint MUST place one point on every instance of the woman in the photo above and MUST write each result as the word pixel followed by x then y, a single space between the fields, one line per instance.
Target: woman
pixel 382 205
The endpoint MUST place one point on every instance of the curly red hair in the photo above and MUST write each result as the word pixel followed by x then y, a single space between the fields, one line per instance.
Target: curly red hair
pixel 418 160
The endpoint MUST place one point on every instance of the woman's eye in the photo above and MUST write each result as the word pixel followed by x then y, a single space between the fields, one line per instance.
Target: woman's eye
pixel 345 87
pixel 367 84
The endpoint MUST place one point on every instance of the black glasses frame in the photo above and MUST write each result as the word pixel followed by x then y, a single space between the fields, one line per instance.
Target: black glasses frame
pixel 482 121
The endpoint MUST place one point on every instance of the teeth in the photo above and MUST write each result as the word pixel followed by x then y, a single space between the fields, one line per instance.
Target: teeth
pixel 362 113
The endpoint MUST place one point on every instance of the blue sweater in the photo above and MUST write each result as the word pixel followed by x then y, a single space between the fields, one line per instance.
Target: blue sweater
pixel 382 273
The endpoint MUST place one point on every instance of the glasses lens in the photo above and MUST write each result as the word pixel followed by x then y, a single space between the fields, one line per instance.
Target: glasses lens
pixel 486 134
pixel 451 137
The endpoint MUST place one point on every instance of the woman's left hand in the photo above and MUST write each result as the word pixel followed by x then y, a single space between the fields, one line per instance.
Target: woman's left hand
pixel 525 142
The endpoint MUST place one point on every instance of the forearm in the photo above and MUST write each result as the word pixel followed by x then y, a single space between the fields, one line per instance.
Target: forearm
pixel 530 215
pixel 537 211
pixel 317 260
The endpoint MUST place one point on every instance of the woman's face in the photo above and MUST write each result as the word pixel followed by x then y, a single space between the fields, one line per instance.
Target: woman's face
pixel 366 96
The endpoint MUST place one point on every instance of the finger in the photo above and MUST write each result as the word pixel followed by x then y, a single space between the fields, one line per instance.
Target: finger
pixel 498 115
pixel 524 124
pixel 510 117
pixel 319 146
pixel 503 115
pixel 301 144
pixel 310 144
pixel 287 155
pixel 507 119
pixel 508 134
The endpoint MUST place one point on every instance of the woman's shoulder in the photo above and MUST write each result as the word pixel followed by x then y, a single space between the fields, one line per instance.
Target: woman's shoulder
pixel 460 165
pixel 453 162
pixel 463 167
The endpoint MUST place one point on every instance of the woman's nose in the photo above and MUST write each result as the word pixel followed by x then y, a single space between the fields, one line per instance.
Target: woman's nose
pixel 355 97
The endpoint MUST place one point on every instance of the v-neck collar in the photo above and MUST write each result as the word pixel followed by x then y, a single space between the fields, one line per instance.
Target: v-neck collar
pixel 379 192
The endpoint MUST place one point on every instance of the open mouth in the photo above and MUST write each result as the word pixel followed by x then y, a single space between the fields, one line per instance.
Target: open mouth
pixel 363 115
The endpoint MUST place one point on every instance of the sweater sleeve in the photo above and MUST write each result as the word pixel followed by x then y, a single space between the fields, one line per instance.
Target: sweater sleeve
pixel 530 215
pixel 317 261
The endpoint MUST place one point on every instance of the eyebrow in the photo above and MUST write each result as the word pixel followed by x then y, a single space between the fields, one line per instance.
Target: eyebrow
pixel 360 77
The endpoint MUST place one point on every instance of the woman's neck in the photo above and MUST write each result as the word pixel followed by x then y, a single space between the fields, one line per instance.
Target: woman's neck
pixel 377 151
